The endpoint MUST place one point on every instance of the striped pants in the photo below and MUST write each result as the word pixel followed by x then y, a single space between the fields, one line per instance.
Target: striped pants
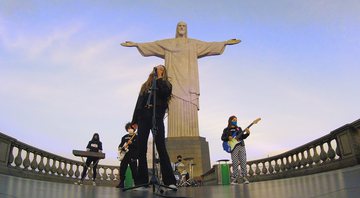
pixel 238 157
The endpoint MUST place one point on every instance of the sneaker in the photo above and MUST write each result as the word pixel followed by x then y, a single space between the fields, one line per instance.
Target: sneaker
pixel 80 182
pixel 233 181
pixel 141 189
pixel 173 187
pixel 246 181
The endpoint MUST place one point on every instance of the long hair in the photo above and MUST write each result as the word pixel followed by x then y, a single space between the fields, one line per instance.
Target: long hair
pixel 229 120
pixel 148 83
pixel 98 137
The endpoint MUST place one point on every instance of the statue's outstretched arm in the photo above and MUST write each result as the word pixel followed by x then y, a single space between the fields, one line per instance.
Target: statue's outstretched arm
pixel 232 41
pixel 129 44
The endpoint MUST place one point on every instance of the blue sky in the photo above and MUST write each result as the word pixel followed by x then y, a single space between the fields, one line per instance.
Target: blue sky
pixel 63 74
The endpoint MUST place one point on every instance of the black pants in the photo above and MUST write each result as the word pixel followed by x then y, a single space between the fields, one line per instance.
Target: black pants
pixel 133 166
pixel 143 134
pixel 87 164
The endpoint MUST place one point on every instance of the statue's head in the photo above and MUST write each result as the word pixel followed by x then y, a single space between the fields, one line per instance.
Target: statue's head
pixel 181 30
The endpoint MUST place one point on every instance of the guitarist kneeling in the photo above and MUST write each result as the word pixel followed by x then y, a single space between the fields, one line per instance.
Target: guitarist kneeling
pixel 233 137
pixel 128 153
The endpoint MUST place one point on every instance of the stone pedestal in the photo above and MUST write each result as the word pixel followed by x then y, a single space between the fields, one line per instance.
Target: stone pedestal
pixel 196 147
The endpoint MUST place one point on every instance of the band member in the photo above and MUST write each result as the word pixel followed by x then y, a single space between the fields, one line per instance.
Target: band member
pixel 94 145
pixel 142 118
pixel 238 152
pixel 128 152
pixel 178 162
pixel 181 169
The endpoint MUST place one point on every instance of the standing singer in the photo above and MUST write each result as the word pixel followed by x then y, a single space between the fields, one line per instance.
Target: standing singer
pixel 142 118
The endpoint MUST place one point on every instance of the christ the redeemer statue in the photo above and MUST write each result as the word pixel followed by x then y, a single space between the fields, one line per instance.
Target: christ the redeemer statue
pixel 181 61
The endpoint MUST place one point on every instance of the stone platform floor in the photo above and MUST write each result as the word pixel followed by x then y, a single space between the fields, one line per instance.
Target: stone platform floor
pixel 333 184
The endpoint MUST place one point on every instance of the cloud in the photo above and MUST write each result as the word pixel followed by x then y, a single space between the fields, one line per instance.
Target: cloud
pixel 35 44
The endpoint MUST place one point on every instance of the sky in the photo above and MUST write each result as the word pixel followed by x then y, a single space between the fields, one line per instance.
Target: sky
pixel 64 75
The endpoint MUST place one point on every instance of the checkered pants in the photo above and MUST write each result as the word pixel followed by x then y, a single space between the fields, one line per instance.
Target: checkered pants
pixel 238 157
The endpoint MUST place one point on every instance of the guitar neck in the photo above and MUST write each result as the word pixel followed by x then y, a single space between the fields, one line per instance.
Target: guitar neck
pixel 254 122
pixel 127 143
pixel 132 137
pixel 248 127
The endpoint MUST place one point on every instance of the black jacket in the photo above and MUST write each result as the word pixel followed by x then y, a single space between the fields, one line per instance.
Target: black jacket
pixel 234 132
pixel 94 144
pixel 133 149
pixel 163 94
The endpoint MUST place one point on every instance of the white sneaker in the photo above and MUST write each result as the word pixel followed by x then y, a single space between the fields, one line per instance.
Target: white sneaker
pixel 141 189
pixel 233 181
pixel 173 187
pixel 246 181
pixel 80 182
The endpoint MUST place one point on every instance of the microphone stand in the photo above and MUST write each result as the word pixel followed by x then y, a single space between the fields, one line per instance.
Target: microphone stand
pixel 154 181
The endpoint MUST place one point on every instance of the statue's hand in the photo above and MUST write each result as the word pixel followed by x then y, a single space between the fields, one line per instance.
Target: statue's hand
pixel 233 41
pixel 128 44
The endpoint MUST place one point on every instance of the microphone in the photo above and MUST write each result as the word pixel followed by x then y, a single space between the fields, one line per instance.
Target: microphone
pixel 155 71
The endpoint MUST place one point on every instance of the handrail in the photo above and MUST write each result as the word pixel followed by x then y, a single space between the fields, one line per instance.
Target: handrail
pixel 21 159
pixel 338 149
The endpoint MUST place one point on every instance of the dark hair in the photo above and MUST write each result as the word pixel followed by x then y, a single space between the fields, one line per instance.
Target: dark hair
pixel 96 134
pixel 179 156
pixel 230 119
pixel 128 126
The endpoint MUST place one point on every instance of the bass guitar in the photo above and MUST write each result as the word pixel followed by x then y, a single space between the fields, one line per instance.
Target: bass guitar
pixel 228 146
pixel 124 149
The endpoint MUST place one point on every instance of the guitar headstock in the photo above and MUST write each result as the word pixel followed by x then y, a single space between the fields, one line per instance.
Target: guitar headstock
pixel 256 120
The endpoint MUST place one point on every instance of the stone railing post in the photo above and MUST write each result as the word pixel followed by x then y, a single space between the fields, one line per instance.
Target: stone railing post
pixel 5 150
pixel 349 143
pixel 356 140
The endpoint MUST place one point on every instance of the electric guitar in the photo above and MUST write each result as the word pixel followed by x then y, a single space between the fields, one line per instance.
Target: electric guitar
pixel 228 146
pixel 124 149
